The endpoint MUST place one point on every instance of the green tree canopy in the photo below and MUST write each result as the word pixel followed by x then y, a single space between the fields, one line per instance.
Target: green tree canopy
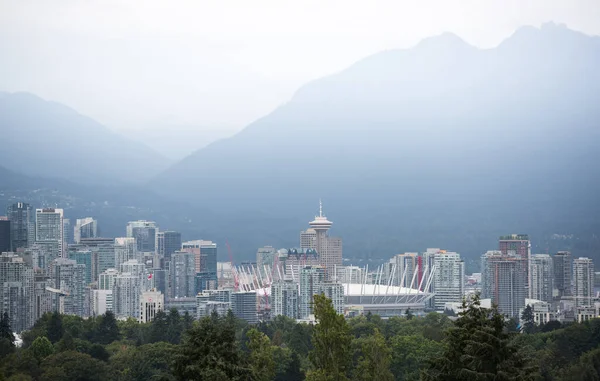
pixel 209 352
pixel 374 361
pixel 479 348
pixel 262 365
pixel 331 341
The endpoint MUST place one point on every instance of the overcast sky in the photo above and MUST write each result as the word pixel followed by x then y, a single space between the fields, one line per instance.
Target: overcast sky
pixel 215 66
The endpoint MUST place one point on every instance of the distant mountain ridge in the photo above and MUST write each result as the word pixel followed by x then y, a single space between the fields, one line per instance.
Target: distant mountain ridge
pixel 49 139
pixel 440 145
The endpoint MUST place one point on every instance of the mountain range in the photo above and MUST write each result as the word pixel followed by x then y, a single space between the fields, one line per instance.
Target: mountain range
pixel 441 145
pixel 49 139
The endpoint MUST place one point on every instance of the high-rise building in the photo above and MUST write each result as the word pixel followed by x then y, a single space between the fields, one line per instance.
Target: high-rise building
pixel 49 232
pixel 151 302
pixel 84 257
pixel 69 278
pixel 160 280
pixel 448 279
pixel 335 292
pixel 67 233
pixel 102 301
pixel 16 291
pixel 182 274
pixel 519 245
pixel 311 278
pixel 205 263
pixel 583 281
pixel 503 281
pixel 127 290
pixel 291 261
pixel 168 242
pixel 285 298
pixel 85 228
pixel 22 229
pixel 403 267
pixel 244 306
pixel 103 253
pixel 329 248
pixel 563 273
pixel 542 277
pixel 106 280
pixel 144 233
pixel 44 253
pixel 42 298
pixel 265 258
pixel 349 274
pixel 125 250
pixel 5 245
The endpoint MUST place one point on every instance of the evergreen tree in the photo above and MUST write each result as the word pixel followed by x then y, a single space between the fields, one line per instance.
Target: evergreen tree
pixel 5 330
pixel 479 348
pixel 331 340
pixel 375 358
pixel 108 329
pixel 209 352
pixel 55 328
pixel 409 315
pixel 174 326
pixel 261 361
pixel 527 320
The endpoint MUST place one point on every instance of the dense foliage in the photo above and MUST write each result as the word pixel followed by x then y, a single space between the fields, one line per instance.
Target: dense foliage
pixel 478 345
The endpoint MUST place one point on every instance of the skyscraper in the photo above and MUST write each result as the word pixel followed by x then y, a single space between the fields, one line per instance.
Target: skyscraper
pixel 125 250
pixel 311 278
pixel 127 290
pixel 106 280
pixel 67 233
pixel 85 228
pixel 205 263
pixel 329 248
pixel 84 257
pixel 168 242
pixel 285 298
pixel 265 256
pixel 49 231
pixel 69 278
pixel 563 273
pixel 335 292
pixel 244 306
pixel 5 245
pixel 16 291
pixel 144 233
pixel 448 279
pixel 402 269
pixel 22 231
pixel 519 245
pixel 103 250
pixel 542 277
pixel 503 281
pixel 583 281
pixel 182 274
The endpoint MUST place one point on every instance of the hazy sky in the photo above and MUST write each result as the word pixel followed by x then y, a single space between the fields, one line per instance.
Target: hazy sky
pixel 213 66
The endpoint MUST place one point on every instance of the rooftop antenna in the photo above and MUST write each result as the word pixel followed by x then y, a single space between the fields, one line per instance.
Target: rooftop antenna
pixel 320 208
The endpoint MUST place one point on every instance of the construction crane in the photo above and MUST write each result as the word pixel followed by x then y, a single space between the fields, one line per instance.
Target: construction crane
pixel 236 282
pixel 61 301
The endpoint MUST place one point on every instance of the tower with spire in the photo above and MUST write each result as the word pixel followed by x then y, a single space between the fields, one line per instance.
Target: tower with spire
pixel 317 237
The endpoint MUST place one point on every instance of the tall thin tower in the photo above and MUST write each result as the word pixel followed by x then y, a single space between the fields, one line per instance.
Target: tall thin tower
pixel 329 249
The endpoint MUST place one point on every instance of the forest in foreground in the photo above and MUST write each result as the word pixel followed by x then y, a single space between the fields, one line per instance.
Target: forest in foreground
pixel 478 344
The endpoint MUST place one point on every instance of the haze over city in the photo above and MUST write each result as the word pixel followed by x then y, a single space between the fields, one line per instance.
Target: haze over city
pixel 204 70
pixel 299 190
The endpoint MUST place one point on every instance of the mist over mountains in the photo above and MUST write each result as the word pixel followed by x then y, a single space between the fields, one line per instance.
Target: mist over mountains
pixel 442 145
pixel 48 139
